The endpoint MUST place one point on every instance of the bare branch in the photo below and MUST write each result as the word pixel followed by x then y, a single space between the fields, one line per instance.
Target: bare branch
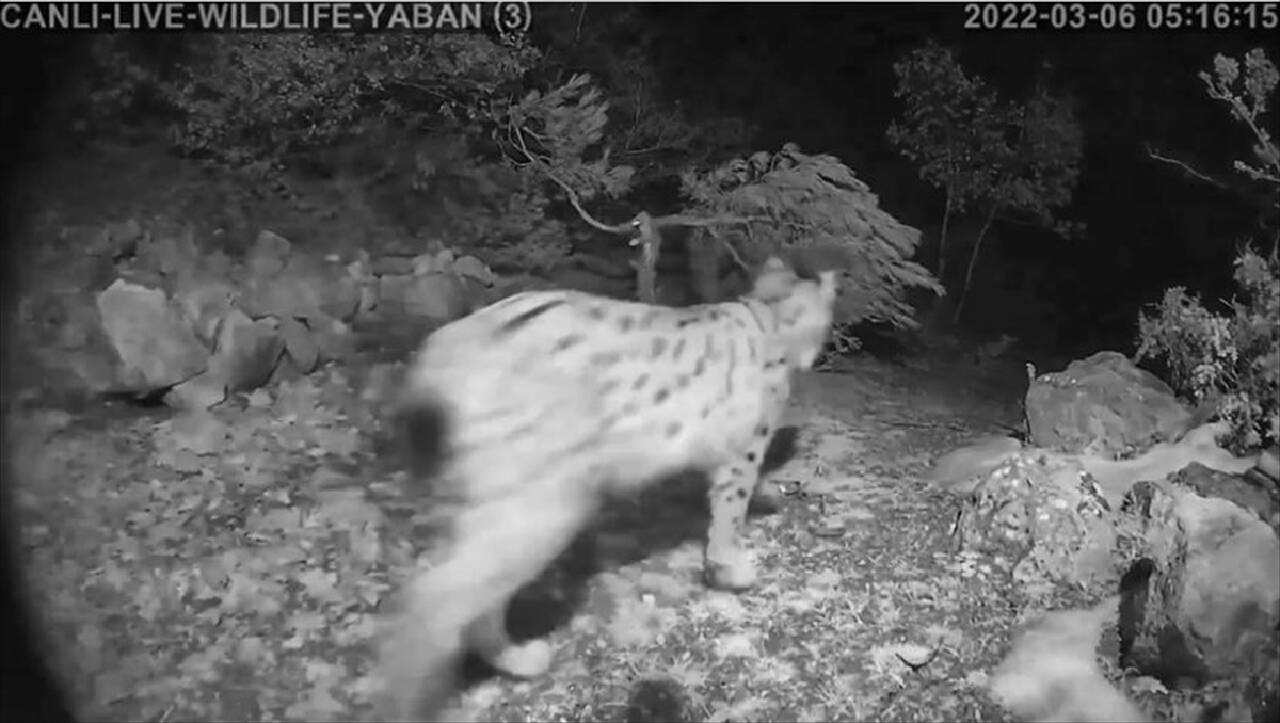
pixel 1156 155
pixel 730 248
pixel 577 206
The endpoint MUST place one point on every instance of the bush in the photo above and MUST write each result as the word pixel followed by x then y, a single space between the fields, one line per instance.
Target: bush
pixel 1231 360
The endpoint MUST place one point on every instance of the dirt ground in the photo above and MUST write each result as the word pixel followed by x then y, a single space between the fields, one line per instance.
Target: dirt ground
pixel 231 568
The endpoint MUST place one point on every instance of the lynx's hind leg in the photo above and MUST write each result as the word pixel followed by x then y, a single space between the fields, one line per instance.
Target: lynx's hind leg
pixel 488 637
pixel 498 547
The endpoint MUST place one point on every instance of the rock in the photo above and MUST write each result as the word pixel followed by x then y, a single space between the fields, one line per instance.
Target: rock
pixel 201 392
pixel 1103 403
pixel 1269 463
pixel 300 346
pixel 444 259
pixel 87 240
pixel 283 296
pixel 216 264
pixel 247 352
pixel 393 265
pixel 392 291
pixel 333 338
pixel 268 255
pixel 1116 477
pixel 424 264
pixel 344 298
pixel 205 303
pixel 156 347
pixel 1201 598
pixel 1263 501
pixel 473 268
pixel 124 233
pixel 1047 517
pixel 959 470
pixel 436 296
pixel 173 254
pixel 477 295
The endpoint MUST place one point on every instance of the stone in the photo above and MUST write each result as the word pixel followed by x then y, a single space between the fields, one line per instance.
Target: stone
pixel 960 469
pixel 1047 517
pixel 473 268
pixel 205 303
pixel 268 255
pixel 393 265
pixel 1103 403
pixel 392 292
pixel 283 296
pixel 436 296
pixel 201 392
pixel 1201 597
pixel 156 346
pixel 247 351
pixel 299 344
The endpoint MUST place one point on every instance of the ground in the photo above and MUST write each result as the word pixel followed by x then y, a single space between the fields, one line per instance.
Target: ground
pixel 231 568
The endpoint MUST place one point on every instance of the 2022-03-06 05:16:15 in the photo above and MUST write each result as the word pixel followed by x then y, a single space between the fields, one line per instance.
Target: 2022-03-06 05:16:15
pixel 1219 16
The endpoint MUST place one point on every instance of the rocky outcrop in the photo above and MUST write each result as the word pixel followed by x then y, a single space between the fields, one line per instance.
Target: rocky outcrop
pixel 192 328
pixel 1105 405
pixel 1201 597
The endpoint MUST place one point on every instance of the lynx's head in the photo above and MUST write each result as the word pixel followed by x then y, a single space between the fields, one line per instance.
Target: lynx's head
pixel 802 308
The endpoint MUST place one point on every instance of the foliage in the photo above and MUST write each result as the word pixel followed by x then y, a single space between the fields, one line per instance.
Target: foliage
pixel 951 121
pixel 1231 359
pixel 1247 97
pixel 792 200
pixel 244 97
pixel 616 45
pixel 998 157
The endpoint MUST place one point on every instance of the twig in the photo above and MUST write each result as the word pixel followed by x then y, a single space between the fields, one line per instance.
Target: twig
pixel 730 248
pixel 1154 154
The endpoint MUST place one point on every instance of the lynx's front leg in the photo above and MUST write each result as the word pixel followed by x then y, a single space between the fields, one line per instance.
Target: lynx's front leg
pixel 728 564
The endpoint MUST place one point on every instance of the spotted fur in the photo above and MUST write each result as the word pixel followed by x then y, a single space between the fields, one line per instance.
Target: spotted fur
pixel 530 410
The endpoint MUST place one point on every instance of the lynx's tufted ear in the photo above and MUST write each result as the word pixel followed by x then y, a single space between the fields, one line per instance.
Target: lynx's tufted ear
pixel 827 283
pixel 775 280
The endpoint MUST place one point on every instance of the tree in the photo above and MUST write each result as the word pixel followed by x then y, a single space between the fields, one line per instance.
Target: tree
pixel 789 200
pixel 1232 359
pixel 1015 159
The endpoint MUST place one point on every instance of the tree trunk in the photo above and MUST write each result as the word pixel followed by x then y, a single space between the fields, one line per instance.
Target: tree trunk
pixel 942 241
pixel 704 265
pixel 973 261
pixel 646 266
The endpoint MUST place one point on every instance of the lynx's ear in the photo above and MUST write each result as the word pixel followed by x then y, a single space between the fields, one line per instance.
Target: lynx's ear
pixel 775 280
pixel 827 283
pixel 773 263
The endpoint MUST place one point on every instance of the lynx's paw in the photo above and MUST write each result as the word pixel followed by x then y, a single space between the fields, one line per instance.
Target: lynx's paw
pixel 530 659
pixel 736 574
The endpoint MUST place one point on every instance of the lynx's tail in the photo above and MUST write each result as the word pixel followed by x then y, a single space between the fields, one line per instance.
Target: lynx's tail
pixel 423 651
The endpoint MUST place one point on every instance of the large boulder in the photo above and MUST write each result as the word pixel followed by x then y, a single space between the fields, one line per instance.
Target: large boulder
pixel 156 345
pixel 1105 405
pixel 1201 596
pixel 1047 518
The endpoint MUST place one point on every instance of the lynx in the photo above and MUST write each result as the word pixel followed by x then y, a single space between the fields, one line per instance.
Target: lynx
pixel 528 412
